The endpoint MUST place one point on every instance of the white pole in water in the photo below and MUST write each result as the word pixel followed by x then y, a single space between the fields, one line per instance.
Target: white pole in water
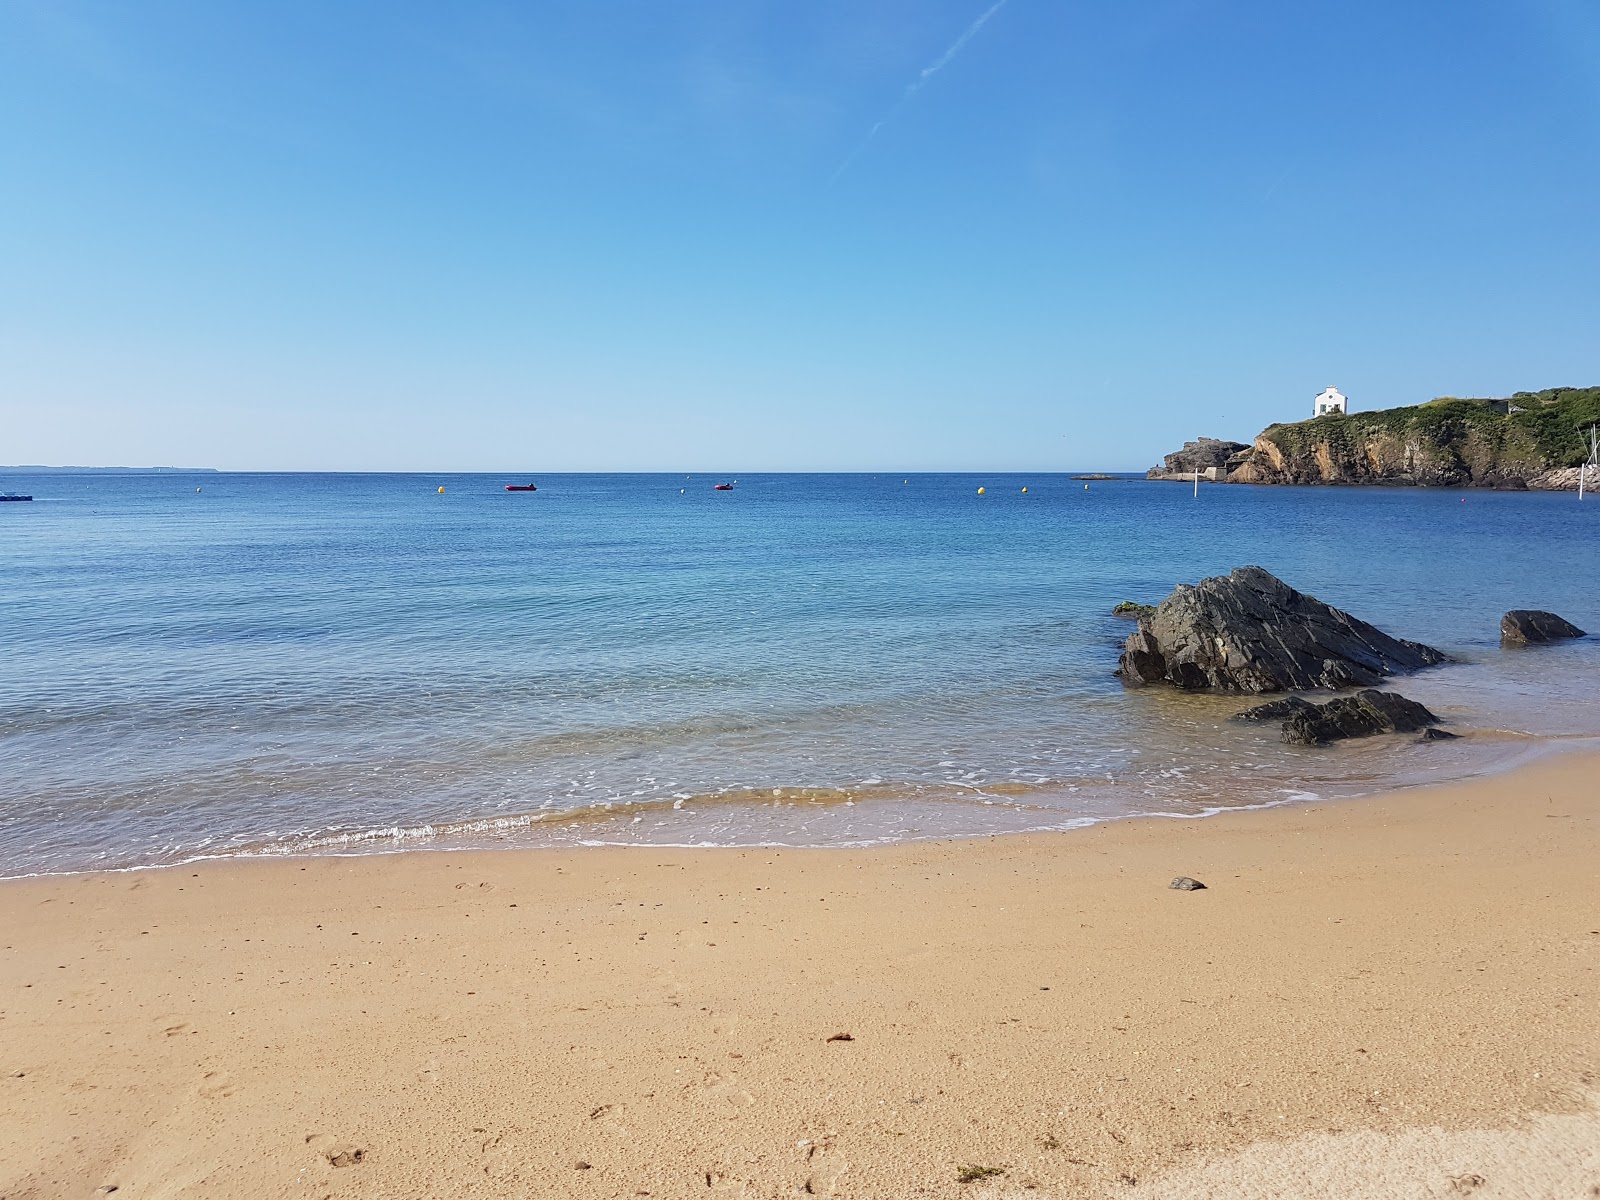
pixel 1197 483
pixel 1592 461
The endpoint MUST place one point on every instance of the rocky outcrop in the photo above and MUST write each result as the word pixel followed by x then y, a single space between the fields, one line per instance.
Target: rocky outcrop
pixel 1202 455
pixel 1251 632
pixel 1531 627
pixel 1362 715
pixel 1565 479
pixel 1532 440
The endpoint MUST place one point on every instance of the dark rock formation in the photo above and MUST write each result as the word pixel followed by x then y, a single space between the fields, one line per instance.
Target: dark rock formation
pixel 1361 715
pixel 1199 455
pixel 1251 632
pixel 1530 627
pixel 1437 735
pixel 1184 884
pixel 1275 710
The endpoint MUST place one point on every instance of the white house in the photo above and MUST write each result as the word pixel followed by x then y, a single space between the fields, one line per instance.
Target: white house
pixel 1329 400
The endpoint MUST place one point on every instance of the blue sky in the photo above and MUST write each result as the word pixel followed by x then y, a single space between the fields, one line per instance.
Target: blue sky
pixel 654 235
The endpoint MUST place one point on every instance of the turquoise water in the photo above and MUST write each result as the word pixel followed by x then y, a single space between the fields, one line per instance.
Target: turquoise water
pixel 292 663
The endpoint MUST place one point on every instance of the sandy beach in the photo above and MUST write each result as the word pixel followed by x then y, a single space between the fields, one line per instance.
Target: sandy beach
pixel 1397 996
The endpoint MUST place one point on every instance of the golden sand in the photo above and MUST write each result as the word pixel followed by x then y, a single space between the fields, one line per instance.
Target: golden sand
pixel 1389 997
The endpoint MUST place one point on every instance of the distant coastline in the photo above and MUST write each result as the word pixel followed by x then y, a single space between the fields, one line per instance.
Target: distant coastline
pixel 31 469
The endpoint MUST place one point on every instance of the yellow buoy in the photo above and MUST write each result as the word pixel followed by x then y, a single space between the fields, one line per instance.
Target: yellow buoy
pixel 441 491
pixel 1024 491
pixel 982 490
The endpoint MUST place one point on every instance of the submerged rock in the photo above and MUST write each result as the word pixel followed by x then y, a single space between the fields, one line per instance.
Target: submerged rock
pixel 1275 710
pixel 1251 632
pixel 1362 715
pixel 1128 610
pixel 1531 627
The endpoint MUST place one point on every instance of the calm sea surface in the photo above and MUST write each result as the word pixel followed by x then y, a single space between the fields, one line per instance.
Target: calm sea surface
pixel 304 663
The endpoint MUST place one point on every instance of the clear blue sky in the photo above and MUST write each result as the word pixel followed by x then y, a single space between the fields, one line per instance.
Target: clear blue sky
pixel 650 234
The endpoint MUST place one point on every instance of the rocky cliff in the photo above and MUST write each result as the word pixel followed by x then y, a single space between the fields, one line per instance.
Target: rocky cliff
pixel 1533 440
pixel 1200 455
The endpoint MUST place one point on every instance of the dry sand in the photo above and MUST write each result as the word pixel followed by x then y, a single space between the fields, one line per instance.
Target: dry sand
pixel 1389 997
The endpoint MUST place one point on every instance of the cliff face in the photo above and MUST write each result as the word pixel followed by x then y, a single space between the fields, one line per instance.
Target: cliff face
pixel 1524 442
pixel 1198 455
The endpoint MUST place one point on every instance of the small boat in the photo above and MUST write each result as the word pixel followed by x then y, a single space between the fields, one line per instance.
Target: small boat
pixel 12 496
pixel 724 487
pixel 521 487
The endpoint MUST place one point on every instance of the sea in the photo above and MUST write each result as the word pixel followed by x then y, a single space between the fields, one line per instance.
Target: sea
pixel 241 665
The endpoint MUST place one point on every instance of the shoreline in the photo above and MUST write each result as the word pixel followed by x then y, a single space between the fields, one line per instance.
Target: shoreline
pixel 1040 1004
pixel 1522 750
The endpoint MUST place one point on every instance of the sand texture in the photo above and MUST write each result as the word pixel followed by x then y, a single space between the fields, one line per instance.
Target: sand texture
pixel 1389 997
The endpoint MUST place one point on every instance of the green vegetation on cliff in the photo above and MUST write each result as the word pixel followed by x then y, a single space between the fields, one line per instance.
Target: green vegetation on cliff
pixel 1549 428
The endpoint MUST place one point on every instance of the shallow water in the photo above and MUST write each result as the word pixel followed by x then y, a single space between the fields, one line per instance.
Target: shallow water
pixel 282 663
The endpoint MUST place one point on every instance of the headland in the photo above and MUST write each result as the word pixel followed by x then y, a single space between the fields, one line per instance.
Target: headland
pixel 1536 440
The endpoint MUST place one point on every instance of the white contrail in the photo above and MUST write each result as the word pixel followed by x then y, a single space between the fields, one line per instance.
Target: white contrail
pixel 917 84
pixel 971 32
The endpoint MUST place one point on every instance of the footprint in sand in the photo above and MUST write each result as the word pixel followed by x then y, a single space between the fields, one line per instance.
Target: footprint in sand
pixel 719 1181
pixel 668 982
pixel 824 1168
pixel 727 1089
pixel 216 1086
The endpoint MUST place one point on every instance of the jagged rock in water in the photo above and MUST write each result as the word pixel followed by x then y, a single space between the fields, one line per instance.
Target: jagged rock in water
pixel 1275 710
pixel 1142 661
pixel 1131 611
pixel 1437 735
pixel 1251 632
pixel 1199 455
pixel 1531 627
pixel 1366 713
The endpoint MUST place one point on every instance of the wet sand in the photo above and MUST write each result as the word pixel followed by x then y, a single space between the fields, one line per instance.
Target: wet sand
pixel 1397 996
